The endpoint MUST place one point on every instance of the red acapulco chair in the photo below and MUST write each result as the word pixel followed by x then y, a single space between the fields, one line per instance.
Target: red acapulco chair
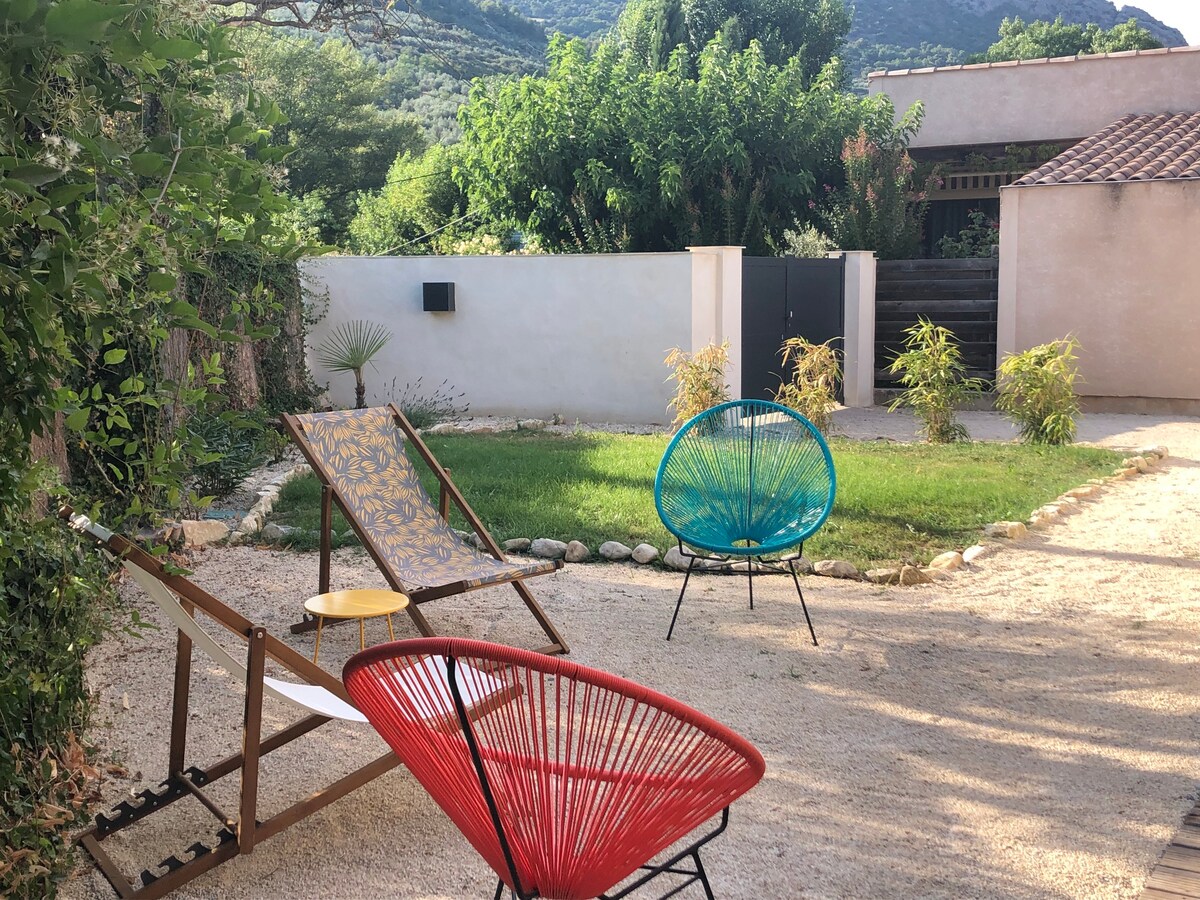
pixel 572 781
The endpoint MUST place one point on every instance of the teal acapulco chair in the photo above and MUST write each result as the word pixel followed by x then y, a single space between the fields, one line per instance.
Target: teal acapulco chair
pixel 747 479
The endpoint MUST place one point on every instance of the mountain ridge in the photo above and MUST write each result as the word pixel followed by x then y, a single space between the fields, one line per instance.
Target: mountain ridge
pixel 894 33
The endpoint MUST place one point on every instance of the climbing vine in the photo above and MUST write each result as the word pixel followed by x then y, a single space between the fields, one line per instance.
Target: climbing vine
pixel 123 175
pixel 262 294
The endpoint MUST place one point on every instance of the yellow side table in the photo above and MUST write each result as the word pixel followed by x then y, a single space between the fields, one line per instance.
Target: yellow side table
pixel 356 604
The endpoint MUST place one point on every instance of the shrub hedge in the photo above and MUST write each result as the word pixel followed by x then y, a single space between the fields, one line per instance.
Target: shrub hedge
pixel 51 595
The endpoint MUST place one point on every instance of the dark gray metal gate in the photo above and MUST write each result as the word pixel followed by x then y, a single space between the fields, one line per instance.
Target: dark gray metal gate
pixel 784 298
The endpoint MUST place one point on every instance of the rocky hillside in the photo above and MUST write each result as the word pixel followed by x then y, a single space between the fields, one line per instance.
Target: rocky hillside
pixel 1101 12
pixel 897 34
pixel 890 34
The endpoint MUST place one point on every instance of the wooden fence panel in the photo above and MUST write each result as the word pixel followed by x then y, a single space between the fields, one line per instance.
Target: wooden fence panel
pixel 959 294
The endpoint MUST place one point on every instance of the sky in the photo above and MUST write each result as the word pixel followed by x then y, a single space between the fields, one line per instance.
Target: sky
pixel 1182 14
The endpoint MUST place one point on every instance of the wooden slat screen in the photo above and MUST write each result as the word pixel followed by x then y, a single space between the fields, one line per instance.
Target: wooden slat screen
pixel 959 294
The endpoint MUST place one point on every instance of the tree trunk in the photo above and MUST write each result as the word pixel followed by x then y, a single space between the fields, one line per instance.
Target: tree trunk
pixel 243 392
pixel 50 446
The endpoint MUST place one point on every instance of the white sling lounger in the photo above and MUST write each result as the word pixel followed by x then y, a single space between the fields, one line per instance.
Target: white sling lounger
pixel 318 694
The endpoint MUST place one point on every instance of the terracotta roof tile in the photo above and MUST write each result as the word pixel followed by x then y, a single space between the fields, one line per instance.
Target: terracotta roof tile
pixel 1135 148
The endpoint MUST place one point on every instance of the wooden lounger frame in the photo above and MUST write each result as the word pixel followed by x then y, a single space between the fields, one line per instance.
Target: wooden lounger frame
pixel 240 832
pixel 448 492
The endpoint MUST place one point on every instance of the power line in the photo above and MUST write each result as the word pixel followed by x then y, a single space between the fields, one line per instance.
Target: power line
pixel 415 177
pixel 424 18
pixel 469 215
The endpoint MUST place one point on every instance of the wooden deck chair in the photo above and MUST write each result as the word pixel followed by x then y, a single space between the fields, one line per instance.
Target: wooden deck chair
pixel 320 695
pixel 359 456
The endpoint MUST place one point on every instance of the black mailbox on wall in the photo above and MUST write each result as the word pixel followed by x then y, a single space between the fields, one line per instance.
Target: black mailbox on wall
pixel 439 296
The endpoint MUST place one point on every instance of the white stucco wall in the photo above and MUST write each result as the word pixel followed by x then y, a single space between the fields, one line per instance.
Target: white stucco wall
pixel 579 335
pixel 1116 265
pixel 1042 100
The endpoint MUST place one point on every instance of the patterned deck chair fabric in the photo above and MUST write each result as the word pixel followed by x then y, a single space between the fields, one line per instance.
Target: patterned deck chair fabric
pixel 360 458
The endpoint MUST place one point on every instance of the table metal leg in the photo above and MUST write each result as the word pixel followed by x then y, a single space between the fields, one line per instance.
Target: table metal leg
pixel 362 633
pixel 317 648
pixel 391 633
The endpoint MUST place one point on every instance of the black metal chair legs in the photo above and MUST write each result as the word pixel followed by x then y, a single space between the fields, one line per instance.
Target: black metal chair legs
pixel 791 567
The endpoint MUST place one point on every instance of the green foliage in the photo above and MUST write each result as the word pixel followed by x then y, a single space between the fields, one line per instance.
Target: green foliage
pixel 121 171
pixel 811 390
pixel 882 206
pixel 261 298
pixel 699 380
pixel 934 379
pixel 299 507
pixel 807 242
pixel 884 35
pixel 1014 157
pixel 464 38
pixel 810 30
pixel 895 501
pixel 863 56
pixel 233 449
pixel 424 408
pixel 1037 391
pixel 349 347
pixel 433 98
pixel 273 442
pixel 918 33
pixel 1040 39
pixel 308 217
pixel 49 617
pixel 101 214
pixel 603 151
pixel 344 142
pixel 980 238
pixel 575 18
pixel 410 214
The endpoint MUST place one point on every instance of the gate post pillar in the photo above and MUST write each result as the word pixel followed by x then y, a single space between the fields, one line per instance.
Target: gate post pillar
pixel 717 305
pixel 858 364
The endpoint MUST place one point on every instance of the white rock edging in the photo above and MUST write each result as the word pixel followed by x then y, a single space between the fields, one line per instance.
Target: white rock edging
pixel 254 520
pixel 644 554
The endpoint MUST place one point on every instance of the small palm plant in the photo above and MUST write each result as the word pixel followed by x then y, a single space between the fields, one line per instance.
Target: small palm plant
pixel 816 370
pixel 1037 391
pixel 934 379
pixel 349 348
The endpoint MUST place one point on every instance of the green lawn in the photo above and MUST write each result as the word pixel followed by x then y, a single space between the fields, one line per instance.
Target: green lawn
pixel 894 501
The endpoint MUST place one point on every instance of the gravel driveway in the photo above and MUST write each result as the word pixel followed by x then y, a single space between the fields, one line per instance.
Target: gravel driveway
pixel 1025 728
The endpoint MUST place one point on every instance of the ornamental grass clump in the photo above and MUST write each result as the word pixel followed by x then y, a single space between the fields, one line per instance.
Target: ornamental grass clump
pixel 816 370
pixel 1037 391
pixel 935 381
pixel 699 380
pixel 424 408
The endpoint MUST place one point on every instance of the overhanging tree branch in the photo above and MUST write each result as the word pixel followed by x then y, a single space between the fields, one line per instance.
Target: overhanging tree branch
pixel 373 16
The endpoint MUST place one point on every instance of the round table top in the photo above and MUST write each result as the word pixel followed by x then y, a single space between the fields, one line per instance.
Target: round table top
pixel 356 604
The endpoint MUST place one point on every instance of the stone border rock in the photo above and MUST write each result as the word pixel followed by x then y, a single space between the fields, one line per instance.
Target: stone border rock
pixel 254 520
pixel 1139 462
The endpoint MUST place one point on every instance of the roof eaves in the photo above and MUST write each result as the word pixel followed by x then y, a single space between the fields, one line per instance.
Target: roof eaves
pixel 1057 60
